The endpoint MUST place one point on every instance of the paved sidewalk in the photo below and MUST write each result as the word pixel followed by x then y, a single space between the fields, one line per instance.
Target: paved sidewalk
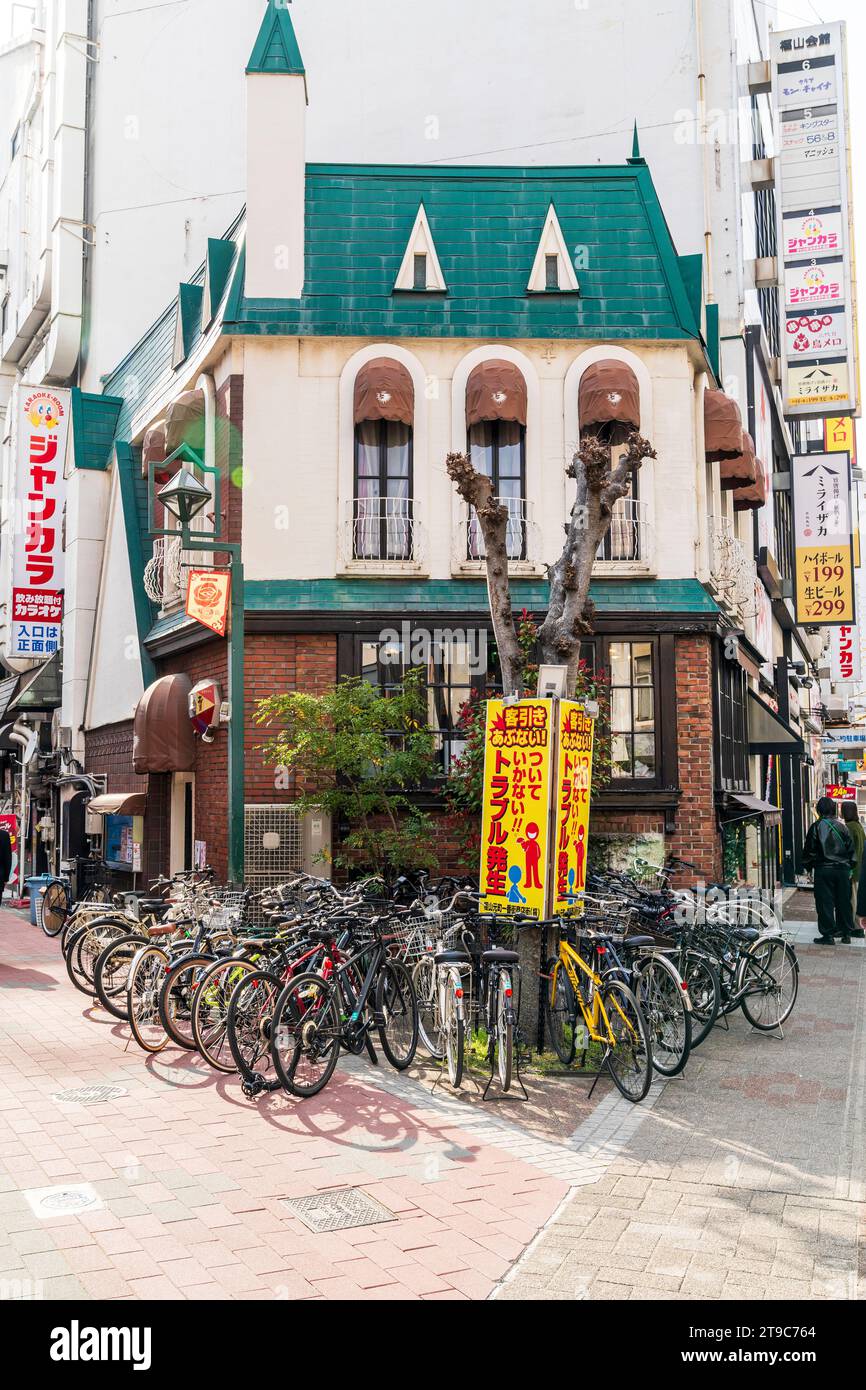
pixel 747 1179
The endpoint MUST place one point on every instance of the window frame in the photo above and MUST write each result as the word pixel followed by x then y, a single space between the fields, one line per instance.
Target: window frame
pixel 494 476
pixel 382 447
pixel 731 725
pixel 658 779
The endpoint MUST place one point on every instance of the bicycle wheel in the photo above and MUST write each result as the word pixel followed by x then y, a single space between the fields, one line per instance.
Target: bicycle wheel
pixel 177 995
pixel 87 946
pixel 210 1008
pixel 665 1005
pixel 54 908
pixel 397 1014
pixel 768 969
pixel 424 978
pixel 560 1011
pixel 629 1061
pixel 705 993
pixel 504 1029
pixel 249 1026
pixel 111 975
pixel 146 974
pixel 453 1028
pixel 306 1035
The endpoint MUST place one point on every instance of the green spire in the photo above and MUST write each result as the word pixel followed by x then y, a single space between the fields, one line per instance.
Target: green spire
pixel 276 48
pixel 636 156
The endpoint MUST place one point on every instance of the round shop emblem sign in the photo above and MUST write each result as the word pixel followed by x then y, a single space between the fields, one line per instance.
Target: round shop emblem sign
pixel 206 591
pixel 204 705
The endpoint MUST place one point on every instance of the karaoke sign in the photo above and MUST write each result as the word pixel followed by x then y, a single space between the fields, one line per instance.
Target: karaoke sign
pixel 42 426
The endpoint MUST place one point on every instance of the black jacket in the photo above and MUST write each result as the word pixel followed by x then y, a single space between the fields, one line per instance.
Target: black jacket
pixel 828 842
pixel 5 854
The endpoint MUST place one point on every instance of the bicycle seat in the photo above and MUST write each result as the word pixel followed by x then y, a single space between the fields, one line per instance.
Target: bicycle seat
pixel 452 958
pixel 639 941
pixel 746 933
pixel 164 929
pixel 157 906
pixel 497 956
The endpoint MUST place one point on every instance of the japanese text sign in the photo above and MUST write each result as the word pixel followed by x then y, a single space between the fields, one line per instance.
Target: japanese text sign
pixel 41 429
pixel 823 548
pixel 845 653
pixel 841 793
pixel 573 779
pixel 515 823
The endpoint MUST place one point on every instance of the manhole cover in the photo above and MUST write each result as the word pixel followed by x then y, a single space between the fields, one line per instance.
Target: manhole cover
pixel 90 1095
pixel 63 1200
pixel 336 1211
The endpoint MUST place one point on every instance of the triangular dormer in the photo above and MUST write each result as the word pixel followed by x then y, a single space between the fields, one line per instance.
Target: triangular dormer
pixel 218 263
pixel 420 271
pixel 276 47
pixel 552 269
pixel 188 322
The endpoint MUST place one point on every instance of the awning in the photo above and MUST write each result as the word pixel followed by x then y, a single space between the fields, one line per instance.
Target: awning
pixel 153 448
pixel 496 390
pixel 767 732
pixel 7 690
pixel 384 390
pixel 184 423
pixel 119 804
pixel 39 690
pixel 723 427
pixel 753 495
pixel 609 400
pixel 744 805
pixel 162 735
pixel 743 469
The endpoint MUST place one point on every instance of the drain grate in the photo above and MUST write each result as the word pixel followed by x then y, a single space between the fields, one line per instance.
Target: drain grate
pixel 337 1211
pixel 90 1095
pixel 63 1200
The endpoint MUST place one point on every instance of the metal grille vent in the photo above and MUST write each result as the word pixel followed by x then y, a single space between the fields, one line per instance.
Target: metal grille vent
pixel 90 1095
pixel 273 845
pixel 337 1211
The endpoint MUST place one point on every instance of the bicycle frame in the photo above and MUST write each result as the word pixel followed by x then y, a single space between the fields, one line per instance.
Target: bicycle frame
pixel 568 958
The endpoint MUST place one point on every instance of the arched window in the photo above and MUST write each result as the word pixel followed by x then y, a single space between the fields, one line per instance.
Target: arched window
pixel 382 513
pixel 609 409
pixel 496 429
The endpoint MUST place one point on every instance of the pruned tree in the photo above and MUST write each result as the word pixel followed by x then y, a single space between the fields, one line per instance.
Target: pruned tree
pixel 602 471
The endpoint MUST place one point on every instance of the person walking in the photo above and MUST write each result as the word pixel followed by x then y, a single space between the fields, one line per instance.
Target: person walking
pixel 5 859
pixel 854 826
pixel 829 852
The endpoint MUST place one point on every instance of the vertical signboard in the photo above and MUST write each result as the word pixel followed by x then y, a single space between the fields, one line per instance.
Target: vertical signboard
pixel 41 429
pixel 845 653
pixel 573 781
pixel 815 241
pixel 823 545
pixel 515 825
pixel 840 435
pixel 10 823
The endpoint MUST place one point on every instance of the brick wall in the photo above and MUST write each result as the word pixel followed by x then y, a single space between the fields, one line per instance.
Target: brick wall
pixel 697 837
pixel 109 750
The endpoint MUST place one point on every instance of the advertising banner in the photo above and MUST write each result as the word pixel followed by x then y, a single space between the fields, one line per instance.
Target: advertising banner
pixel 823 542
pixel 10 823
pixel 573 781
pixel 845 653
pixel 40 433
pixel 207 598
pixel 841 793
pixel 515 825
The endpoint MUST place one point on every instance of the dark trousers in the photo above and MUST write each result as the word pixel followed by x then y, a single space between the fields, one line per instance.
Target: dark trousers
pixel 833 900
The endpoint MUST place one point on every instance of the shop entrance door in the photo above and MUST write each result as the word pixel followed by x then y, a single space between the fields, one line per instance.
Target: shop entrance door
pixel 182 821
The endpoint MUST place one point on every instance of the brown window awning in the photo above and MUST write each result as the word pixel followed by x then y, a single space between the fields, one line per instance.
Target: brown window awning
pixel 496 390
pixel 753 495
pixel 384 390
pixel 609 400
pixel 162 735
pixel 119 804
pixel 184 423
pixel 723 427
pixel 740 470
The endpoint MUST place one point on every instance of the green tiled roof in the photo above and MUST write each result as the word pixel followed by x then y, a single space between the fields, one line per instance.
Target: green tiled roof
pixel 276 48
pixel 94 420
pixel 632 596
pixel 486 224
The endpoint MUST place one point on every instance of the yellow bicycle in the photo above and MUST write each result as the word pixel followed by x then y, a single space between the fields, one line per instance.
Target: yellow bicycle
pixel 610 1011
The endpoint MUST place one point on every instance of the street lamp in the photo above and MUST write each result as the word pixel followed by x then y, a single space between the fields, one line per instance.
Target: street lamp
pixel 183 496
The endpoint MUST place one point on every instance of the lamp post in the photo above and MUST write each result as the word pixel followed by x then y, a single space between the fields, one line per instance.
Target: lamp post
pixel 185 497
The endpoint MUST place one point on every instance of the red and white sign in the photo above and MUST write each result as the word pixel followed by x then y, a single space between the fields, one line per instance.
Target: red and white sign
pixel 813 334
pixel 42 427
pixel 814 284
pixel 811 234
pixel 10 823
pixel 845 653
pixel 207 598
pixel 840 793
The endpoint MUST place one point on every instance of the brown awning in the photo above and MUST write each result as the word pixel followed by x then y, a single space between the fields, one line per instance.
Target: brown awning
pixel 609 400
pixel 384 390
pixel 184 423
pixel 496 390
pixel 119 804
pixel 753 495
pixel 723 427
pixel 162 735
pixel 740 470
pixel 153 448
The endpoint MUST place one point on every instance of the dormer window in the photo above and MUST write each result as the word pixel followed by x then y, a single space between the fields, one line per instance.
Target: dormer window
pixel 553 269
pixel 551 272
pixel 420 272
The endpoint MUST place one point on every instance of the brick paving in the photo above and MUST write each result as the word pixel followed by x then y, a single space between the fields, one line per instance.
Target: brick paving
pixel 746 1179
